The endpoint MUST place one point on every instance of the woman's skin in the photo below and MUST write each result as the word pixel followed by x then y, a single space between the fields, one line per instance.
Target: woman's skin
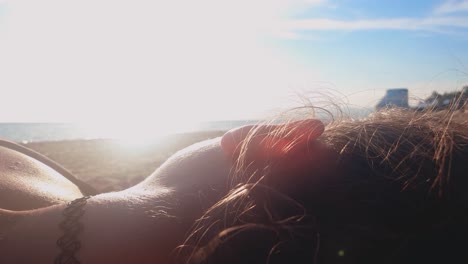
pixel 139 225
pixel 143 224
pixel 26 183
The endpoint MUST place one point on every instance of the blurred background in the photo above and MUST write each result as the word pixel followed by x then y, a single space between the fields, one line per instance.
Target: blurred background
pixel 141 70
pixel 158 61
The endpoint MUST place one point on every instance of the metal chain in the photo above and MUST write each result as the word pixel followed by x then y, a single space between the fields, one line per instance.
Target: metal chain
pixel 71 227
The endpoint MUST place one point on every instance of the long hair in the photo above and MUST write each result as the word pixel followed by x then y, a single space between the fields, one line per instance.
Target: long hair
pixel 391 188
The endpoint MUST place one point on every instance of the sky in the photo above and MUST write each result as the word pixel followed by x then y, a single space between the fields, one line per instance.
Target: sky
pixel 170 62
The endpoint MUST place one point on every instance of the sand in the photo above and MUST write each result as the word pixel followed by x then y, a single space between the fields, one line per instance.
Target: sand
pixel 112 165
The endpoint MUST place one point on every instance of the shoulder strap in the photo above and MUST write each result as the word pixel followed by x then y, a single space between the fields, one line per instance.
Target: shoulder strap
pixel 85 188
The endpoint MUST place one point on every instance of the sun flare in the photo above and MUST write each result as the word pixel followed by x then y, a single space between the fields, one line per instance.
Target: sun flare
pixel 132 135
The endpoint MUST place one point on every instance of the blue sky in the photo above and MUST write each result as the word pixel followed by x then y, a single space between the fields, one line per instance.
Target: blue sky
pixel 367 45
pixel 113 60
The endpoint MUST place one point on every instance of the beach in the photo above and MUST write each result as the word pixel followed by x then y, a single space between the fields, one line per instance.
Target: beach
pixel 113 165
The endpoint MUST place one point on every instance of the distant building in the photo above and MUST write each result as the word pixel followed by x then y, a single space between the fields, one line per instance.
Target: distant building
pixel 394 98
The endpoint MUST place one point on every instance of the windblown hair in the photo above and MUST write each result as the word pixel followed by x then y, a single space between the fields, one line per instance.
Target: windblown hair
pixel 392 189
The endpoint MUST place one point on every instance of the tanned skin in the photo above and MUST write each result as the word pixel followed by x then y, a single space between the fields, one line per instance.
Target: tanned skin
pixel 142 224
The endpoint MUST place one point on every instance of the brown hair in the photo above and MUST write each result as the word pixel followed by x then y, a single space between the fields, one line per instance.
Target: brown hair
pixel 389 188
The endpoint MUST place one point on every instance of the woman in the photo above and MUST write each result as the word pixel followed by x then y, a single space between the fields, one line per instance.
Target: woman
pixel 388 189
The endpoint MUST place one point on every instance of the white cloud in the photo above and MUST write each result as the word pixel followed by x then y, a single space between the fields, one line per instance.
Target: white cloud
pixel 330 24
pixel 441 21
pixel 436 24
pixel 452 6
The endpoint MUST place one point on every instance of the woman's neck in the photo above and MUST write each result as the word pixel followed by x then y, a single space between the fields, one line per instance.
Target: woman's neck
pixel 117 228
